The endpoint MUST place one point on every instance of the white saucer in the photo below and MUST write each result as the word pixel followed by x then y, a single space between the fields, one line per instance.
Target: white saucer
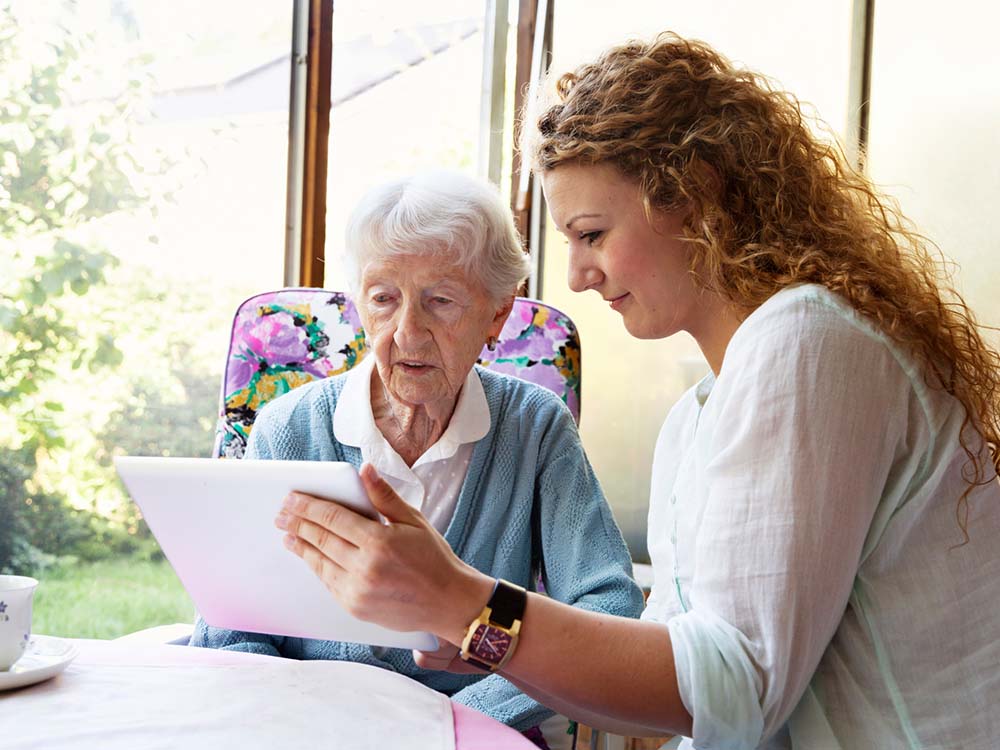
pixel 44 657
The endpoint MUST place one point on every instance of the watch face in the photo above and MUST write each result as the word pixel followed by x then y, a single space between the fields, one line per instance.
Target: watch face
pixel 489 644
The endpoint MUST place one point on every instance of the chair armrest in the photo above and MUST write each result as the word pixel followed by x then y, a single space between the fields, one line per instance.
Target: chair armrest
pixel 178 633
pixel 643 573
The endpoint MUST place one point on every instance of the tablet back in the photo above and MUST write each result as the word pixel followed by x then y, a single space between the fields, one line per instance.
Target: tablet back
pixel 214 520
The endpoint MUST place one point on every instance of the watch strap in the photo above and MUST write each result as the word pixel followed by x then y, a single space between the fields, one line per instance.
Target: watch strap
pixel 507 603
pixel 469 659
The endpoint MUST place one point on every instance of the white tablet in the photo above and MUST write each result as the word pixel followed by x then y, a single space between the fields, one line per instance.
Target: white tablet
pixel 214 520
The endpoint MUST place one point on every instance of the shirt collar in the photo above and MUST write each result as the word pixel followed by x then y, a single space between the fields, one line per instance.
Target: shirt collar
pixel 704 388
pixel 354 423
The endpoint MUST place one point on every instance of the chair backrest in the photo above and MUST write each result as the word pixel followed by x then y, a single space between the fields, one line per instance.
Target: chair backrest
pixel 283 339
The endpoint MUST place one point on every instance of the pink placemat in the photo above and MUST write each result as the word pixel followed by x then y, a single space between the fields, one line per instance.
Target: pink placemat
pixel 476 731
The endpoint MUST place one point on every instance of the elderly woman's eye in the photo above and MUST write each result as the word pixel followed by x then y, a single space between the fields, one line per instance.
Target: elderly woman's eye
pixel 381 299
pixel 442 301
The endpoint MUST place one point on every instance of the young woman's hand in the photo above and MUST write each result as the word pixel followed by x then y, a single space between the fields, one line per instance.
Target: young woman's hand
pixel 401 574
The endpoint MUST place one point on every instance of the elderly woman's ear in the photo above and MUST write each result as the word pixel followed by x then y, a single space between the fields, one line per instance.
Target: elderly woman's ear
pixel 502 313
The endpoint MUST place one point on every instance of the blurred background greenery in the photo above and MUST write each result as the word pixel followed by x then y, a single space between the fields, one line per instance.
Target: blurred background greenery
pixel 70 309
pixel 143 173
pixel 109 598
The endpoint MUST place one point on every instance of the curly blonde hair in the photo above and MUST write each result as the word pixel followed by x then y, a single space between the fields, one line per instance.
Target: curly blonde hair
pixel 770 204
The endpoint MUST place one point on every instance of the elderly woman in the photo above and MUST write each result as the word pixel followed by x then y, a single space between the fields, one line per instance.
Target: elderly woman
pixel 493 462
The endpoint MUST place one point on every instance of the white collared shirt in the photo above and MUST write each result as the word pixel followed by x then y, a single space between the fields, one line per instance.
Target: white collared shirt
pixel 433 483
pixel 808 561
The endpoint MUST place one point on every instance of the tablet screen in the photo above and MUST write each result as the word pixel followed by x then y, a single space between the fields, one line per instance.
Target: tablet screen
pixel 214 520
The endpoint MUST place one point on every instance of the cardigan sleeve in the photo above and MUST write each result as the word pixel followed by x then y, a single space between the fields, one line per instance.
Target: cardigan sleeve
pixel 499 699
pixel 206 636
pixel 585 561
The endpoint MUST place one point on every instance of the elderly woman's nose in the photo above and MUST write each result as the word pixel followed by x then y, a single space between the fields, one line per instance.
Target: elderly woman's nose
pixel 412 325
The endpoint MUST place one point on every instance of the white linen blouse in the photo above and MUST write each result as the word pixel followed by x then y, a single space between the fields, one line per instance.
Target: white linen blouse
pixel 806 554
pixel 433 483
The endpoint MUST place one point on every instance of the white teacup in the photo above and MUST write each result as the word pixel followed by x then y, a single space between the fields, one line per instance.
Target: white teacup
pixel 16 593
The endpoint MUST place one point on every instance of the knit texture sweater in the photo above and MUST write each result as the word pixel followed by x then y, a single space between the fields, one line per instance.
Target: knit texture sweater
pixel 530 505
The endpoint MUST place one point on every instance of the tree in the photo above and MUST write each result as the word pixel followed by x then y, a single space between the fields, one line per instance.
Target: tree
pixel 64 163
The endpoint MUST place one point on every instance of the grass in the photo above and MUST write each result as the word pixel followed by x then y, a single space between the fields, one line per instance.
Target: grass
pixel 108 599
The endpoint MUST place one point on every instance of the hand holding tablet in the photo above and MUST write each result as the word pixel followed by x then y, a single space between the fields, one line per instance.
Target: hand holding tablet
pixel 401 573
pixel 214 520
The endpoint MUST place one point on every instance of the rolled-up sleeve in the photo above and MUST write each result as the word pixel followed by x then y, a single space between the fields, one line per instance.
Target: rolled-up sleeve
pixel 795 451
pixel 713 672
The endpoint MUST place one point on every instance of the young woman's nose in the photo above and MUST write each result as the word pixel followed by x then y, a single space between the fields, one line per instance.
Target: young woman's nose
pixel 582 273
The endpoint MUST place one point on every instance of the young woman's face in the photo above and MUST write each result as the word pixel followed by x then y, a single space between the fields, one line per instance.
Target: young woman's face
pixel 636 264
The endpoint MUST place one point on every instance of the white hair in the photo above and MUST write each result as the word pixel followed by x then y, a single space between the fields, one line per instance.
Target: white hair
pixel 439 213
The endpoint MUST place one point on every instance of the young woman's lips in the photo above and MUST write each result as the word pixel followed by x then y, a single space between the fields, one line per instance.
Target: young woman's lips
pixel 617 302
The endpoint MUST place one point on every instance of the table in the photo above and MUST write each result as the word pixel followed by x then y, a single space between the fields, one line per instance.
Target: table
pixel 120 694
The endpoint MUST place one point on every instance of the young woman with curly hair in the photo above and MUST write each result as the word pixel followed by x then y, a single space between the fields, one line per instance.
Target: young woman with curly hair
pixel 825 512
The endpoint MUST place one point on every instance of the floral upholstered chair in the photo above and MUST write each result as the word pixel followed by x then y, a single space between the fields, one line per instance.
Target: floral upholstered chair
pixel 281 340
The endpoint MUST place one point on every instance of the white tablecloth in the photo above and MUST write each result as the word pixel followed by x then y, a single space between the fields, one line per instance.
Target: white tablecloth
pixel 120 696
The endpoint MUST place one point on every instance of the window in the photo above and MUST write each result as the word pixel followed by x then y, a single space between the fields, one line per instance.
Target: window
pixel 405 96
pixel 142 196
pixel 932 144
pixel 143 176
pixel 629 385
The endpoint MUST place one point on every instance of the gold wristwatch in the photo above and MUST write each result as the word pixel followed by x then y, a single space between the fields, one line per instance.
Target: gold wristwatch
pixel 492 637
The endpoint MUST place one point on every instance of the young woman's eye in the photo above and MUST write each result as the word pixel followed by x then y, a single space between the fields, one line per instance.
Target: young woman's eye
pixel 591 237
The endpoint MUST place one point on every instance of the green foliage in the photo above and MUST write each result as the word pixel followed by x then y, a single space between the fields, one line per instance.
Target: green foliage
pixel 41 531
pixel 108 599
pixel 37 336
pixel 65 162
pixel 151 423
pixel 63 532
pixel 16 552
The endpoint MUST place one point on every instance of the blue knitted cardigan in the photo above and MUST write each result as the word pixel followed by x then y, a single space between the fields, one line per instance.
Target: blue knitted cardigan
pixel 530 501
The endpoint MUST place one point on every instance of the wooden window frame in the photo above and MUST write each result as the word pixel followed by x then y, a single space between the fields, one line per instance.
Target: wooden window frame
pixel 534 47
pixel 860 81
pixel 308 142
pixel 309 133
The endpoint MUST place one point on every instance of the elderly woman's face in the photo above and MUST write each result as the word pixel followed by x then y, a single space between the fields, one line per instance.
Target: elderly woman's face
pixel 427 322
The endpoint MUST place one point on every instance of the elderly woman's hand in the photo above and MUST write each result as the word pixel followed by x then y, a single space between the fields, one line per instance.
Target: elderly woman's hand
pixel 445 659
pixel 401 574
